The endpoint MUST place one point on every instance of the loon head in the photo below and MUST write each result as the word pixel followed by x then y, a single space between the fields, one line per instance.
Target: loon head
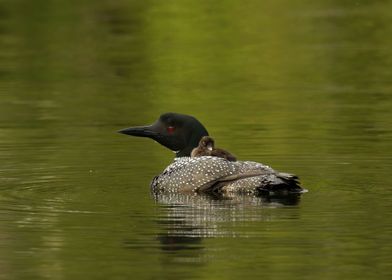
pixel 180 133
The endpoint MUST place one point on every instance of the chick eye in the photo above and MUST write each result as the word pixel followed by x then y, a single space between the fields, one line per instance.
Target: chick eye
pixel 170 129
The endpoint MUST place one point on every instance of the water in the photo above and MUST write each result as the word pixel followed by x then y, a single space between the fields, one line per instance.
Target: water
pixel 304 87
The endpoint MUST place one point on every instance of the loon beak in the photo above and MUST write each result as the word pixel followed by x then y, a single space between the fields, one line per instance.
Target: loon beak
pixel 141 131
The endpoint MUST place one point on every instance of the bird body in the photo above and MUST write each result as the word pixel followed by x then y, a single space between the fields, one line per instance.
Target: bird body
pixel 208 174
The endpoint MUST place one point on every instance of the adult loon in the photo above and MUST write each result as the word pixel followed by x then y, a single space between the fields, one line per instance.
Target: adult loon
pixel 207 148
pixel 207 174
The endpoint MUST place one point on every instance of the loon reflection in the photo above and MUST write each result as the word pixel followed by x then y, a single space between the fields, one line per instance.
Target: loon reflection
pixel 186 218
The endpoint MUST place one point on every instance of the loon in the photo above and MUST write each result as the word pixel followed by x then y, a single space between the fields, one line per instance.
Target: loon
pixel 207 148
pixel 207 174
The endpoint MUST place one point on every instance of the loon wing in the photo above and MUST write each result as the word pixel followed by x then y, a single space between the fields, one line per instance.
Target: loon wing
pixel 215 185
pixel 261 184
pixel 254 177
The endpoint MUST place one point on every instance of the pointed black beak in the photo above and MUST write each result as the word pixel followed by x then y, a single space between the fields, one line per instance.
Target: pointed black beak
pixel 141 131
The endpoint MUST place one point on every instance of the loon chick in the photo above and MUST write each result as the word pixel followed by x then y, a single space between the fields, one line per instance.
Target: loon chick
pixel 181 134
pixel 207 148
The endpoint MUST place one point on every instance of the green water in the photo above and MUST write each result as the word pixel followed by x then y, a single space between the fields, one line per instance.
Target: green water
pixel 303 86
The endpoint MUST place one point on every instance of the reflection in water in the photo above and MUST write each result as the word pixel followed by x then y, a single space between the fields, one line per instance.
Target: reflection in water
pixel 186 218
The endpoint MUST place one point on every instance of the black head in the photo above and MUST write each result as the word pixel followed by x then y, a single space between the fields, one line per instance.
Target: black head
pixel 207 142
pixel 180 133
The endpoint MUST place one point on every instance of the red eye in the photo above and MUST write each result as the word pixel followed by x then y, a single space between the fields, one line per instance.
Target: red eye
pixel 170 129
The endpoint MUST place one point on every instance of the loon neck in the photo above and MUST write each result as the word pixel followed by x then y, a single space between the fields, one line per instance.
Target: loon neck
pixel 193 142
pixel 192 138
pixel 186 152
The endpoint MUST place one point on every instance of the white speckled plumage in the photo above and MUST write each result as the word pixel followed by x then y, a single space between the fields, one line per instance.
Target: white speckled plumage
pixel 218 175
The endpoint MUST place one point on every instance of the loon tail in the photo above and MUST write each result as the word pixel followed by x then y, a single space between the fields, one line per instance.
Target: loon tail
pixel 257 182
pixel 285 183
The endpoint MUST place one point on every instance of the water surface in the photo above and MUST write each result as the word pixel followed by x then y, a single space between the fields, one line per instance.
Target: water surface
pixel 304 87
